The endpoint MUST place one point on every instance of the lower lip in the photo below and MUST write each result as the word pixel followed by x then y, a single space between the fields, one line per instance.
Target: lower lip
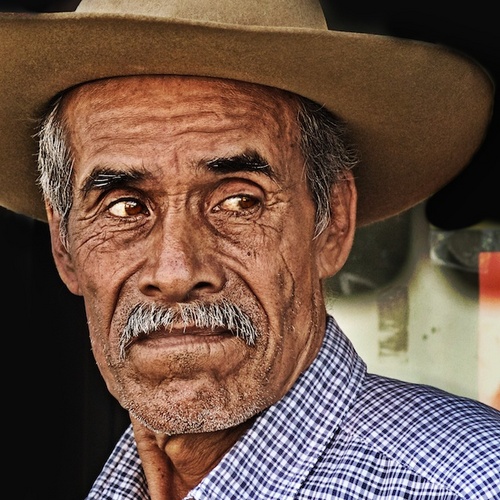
pixel 186 340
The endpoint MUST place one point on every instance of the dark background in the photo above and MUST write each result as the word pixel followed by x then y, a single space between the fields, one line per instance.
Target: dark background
pixel 61 421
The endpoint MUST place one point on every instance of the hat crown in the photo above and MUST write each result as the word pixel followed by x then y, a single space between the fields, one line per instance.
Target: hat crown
pixel 278 13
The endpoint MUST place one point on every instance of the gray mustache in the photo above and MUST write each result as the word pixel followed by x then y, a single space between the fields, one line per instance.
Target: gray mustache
pixel 147 318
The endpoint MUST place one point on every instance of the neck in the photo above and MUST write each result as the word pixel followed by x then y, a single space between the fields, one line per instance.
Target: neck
pixel 174 465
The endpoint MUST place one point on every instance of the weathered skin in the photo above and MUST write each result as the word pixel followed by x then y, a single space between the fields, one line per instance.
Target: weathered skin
pixel 180 231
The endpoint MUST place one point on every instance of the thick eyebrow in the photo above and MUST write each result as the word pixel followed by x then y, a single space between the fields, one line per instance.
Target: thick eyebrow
pixel 103 179
pixel 245 162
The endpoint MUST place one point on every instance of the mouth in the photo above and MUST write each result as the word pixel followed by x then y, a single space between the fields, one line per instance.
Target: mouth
pixel 192 326
pixel 180 336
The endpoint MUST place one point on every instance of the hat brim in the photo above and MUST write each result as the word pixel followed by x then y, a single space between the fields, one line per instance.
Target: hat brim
pixel 417 111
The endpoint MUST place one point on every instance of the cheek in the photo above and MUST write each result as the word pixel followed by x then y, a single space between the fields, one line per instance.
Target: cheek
pixel 99 259
pixel 105 322
pixel 99 351
pixel 104 275
pixel 294 286
pixel 279 258
pixel 283 277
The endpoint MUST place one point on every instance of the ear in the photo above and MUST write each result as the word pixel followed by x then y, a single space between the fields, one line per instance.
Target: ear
pixel 61 255
pixel 335 242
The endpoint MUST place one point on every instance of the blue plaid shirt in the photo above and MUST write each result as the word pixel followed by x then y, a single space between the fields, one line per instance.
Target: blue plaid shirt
pixel 341 433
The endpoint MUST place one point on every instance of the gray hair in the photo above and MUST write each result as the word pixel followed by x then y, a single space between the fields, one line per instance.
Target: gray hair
pixel 146 318
pixel 55 164
pixel 327 158
pixel 328 155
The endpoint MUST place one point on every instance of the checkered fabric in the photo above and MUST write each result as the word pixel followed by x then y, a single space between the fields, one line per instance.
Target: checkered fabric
pixel 341 433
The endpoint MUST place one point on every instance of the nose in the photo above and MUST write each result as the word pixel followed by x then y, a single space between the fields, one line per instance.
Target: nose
pixel 181 264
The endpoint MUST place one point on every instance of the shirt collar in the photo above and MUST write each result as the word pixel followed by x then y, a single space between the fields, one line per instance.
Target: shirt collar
pixel 277 453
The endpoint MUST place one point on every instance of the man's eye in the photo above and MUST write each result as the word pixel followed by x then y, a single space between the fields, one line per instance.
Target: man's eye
pixel 127 208
pixel 238 204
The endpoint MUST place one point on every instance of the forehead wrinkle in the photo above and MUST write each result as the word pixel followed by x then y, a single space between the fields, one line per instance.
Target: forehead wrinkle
pixel 233 107
pixel 108 95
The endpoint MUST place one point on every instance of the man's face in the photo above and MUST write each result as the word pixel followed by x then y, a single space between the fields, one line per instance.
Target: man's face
pixel 193 191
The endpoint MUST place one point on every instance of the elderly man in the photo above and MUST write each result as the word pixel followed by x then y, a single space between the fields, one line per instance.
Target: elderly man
pixel 199 188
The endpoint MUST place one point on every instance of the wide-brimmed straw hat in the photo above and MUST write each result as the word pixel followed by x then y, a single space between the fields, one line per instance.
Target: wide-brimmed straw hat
pixel 417 111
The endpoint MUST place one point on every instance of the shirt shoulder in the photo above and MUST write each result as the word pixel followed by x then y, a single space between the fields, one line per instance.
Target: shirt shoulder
pixel 447 440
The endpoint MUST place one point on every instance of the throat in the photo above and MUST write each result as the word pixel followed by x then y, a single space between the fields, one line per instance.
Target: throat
pixel 174 465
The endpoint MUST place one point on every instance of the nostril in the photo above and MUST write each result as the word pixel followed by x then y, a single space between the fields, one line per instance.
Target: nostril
pixel 203 285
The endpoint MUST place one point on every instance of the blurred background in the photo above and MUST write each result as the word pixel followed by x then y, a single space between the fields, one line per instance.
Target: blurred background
pixel 419 296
